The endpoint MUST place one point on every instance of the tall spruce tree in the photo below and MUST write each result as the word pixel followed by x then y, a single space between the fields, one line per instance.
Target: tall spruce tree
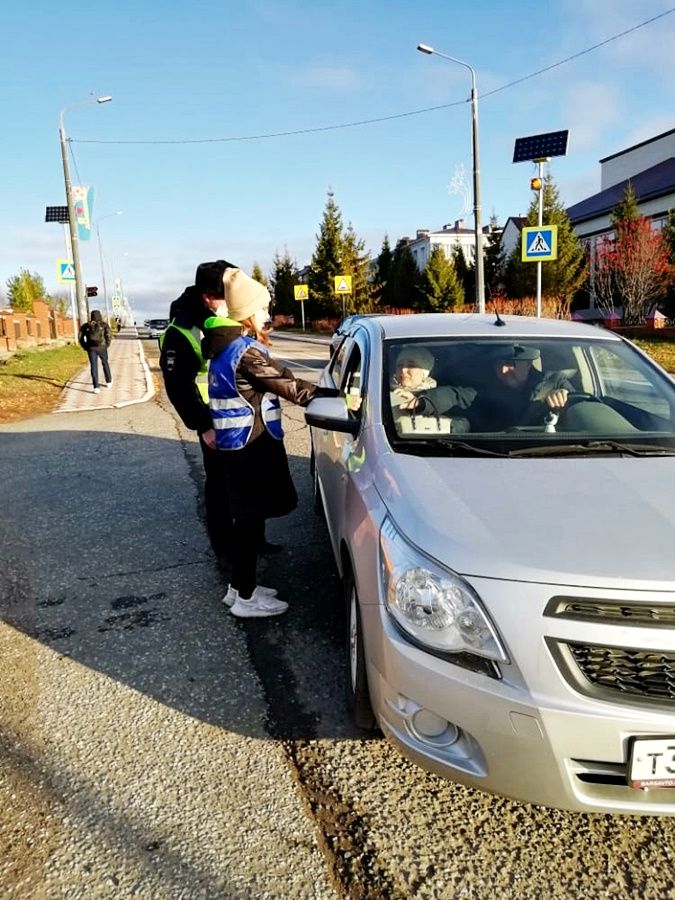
pixel 440 289
pixel 327 262
pixel 561 278
pixel 383 267
pixel 258 274
pixel 282 281
pixel 465 274
pixel 402 287
pixel 356 262
pixel 627 209
pixel 494 260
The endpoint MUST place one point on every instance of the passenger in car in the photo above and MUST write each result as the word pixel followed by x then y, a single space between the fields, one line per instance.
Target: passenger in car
pixel 414 392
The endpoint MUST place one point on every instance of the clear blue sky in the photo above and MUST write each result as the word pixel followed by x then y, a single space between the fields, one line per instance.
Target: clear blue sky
pixel 213 70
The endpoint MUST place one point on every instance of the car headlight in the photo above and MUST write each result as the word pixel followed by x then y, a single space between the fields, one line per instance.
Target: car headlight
pixel 434 605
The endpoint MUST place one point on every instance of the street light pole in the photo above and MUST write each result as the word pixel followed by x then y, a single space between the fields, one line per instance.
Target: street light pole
pixel 80 293
pixel 100 256
pixel 477 227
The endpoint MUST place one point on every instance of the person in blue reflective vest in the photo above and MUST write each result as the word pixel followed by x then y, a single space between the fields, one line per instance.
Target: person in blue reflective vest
pixel 245 385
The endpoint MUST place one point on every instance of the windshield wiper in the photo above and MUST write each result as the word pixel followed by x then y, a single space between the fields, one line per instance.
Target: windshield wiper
pixel 460 448
pixel 595 447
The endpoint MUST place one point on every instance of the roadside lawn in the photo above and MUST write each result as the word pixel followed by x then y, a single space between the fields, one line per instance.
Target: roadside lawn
pixel 661 351
pixel 31 381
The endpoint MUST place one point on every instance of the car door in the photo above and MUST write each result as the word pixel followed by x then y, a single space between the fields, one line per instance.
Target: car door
pixel 335 452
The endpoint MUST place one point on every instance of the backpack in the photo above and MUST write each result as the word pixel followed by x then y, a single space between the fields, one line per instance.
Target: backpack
pixel 96 337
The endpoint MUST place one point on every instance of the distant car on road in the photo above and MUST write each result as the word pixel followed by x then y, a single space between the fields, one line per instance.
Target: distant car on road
pixel 156 327
pixel 500 501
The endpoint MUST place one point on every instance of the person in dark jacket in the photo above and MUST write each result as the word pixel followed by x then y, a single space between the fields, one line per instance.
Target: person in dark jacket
pixel 184 371
pixel 95 337
pixel 245 385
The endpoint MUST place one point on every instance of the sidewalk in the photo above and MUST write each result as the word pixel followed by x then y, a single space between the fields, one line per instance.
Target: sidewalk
pixel 132 382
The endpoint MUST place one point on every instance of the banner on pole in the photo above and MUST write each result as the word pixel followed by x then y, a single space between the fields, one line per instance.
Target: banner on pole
pixel 83 201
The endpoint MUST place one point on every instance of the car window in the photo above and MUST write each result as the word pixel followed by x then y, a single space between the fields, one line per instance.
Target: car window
pixel 621 379
pixel 524 389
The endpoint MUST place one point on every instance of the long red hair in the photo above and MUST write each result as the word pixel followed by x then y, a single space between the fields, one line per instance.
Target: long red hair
pixel 261 336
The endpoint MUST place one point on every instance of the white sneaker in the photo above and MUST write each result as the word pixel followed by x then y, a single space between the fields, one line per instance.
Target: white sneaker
pixel 97 391
pixel 232 595
pixel 258 606
pixel 108 384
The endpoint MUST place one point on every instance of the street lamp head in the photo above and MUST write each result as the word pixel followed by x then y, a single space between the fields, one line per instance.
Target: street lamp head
pixel 103 99
pixel 425 48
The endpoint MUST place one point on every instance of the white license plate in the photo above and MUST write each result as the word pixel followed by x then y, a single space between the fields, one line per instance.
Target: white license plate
pixel 652 763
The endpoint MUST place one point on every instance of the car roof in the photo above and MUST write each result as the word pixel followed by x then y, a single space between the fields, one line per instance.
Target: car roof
pixel 431 325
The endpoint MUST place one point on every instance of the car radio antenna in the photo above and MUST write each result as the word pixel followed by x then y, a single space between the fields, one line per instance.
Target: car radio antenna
pixel 499 322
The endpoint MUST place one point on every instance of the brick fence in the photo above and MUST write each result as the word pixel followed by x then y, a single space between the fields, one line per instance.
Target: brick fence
pixel 20 330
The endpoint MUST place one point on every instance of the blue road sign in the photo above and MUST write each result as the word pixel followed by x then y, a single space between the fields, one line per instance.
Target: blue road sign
pixel 539 243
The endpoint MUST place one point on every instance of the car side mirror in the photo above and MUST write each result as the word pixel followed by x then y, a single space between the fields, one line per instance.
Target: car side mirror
pixel 331 414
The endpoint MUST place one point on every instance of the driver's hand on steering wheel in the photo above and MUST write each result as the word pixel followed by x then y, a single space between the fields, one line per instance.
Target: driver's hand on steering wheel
pixel 557 399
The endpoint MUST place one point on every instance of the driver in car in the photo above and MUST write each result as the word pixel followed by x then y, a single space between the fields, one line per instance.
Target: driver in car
pixel 521 394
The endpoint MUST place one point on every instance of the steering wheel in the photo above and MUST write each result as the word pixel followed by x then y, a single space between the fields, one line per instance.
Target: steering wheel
pixel 577 396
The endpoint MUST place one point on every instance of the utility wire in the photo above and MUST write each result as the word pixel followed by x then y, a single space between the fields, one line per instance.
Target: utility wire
pixel 403 115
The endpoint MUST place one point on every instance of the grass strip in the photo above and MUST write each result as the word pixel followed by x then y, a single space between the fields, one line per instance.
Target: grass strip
pixel 31 381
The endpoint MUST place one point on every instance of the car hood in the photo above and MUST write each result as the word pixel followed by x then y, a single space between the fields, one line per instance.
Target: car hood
pixel 590 522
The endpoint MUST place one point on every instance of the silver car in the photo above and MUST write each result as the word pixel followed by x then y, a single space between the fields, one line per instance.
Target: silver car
pixel 504 527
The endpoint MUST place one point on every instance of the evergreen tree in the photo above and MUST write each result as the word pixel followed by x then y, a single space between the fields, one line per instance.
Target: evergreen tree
pixel 356 262
pixel 383 267
pixel 561 278
pixel 282 281
pixel 465 275
pixel 257 273
pixel 627 209
pixel 494 260
pixel 327 263
pixel 23 289
pixel 402 287
pixel 440 289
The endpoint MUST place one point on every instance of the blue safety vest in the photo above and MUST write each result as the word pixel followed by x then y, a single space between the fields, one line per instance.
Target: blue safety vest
pixel 232 415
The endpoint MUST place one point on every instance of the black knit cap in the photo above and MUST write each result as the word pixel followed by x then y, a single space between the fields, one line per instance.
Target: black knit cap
pixel 209 277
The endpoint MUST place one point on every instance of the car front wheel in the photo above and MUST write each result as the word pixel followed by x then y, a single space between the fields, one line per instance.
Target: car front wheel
pixel 357 684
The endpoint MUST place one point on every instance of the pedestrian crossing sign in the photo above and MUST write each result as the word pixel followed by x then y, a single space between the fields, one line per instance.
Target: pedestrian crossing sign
pixel 343 284
pixel 300 291
pixel 539 243
pixel 65 270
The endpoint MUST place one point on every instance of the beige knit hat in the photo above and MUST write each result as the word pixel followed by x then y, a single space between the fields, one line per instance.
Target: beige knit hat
pixel 243 295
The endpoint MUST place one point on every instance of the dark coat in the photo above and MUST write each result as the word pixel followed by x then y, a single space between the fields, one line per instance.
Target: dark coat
pixel 180 364
pixel 258 477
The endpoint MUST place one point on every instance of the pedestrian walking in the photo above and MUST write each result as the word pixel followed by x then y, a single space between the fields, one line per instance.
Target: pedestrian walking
pixel 95 337
pixel 245 385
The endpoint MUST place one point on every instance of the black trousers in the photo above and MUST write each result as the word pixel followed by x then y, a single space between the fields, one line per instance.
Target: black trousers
pixel 217 501
pixel 94 356
pixel 247 536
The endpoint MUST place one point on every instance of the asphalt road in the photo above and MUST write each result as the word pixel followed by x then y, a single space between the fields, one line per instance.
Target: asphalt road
pixel 153 746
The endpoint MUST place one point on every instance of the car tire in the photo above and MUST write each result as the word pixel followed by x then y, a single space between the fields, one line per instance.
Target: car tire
pixel 316 490
pixel 358 696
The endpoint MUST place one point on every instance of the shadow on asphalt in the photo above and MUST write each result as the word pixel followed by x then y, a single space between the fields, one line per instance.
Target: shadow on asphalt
pixel 106 561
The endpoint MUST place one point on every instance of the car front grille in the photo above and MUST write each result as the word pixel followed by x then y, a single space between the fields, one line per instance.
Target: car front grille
pixel 641 673
pixel 654 615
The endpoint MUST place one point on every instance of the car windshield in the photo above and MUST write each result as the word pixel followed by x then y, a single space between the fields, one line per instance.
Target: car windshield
pixel 525 394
